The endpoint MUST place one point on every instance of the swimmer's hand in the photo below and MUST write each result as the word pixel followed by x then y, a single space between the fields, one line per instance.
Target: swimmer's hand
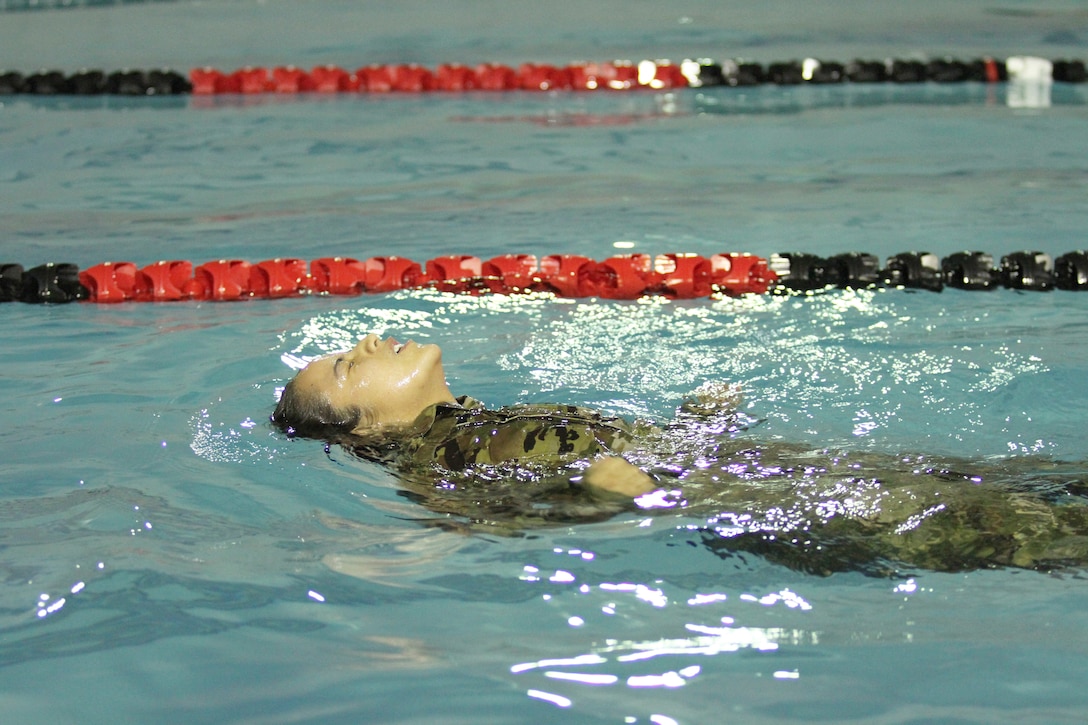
pixel 613 476
pixel 713 398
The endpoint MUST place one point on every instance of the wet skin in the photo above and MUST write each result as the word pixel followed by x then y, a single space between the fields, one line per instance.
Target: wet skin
pixel 391 383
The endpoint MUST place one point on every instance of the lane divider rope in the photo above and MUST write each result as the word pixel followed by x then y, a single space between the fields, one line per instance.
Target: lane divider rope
pixel 582 76
pixel 622 277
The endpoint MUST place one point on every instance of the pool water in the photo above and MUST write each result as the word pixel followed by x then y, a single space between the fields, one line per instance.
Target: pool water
pixel 168 557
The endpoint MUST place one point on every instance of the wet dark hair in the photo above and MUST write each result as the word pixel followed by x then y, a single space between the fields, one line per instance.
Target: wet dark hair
pixel 302 416
pixel 312 416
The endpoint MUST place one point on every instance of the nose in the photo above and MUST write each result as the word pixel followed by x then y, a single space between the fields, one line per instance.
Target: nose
pixel 367 345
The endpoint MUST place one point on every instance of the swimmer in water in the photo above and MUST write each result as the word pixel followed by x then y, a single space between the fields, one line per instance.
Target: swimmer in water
pixel 821 511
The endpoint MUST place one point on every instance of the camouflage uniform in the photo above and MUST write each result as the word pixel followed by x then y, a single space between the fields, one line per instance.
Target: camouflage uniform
pixel 823 511
pixel 817 511
pixel 468 435
pixel 512 468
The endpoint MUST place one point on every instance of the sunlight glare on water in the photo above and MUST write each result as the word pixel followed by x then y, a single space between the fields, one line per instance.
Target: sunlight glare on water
pixel 851 368
pixel 708 625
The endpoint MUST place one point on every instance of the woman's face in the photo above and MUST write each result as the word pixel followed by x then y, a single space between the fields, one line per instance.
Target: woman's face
pixel 390 382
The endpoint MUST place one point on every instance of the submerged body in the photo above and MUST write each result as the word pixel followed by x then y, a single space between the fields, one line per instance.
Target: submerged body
pixel 820 511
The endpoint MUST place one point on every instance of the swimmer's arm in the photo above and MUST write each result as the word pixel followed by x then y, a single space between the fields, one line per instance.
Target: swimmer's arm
pixel 606 488
pixel 608 477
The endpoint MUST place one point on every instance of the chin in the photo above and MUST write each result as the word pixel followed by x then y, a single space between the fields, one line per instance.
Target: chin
pixel 432 351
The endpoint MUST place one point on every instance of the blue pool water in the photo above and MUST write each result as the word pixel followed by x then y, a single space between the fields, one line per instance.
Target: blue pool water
pixel 167 557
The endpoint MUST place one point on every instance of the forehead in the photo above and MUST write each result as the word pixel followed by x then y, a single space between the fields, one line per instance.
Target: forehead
pixel 317 372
